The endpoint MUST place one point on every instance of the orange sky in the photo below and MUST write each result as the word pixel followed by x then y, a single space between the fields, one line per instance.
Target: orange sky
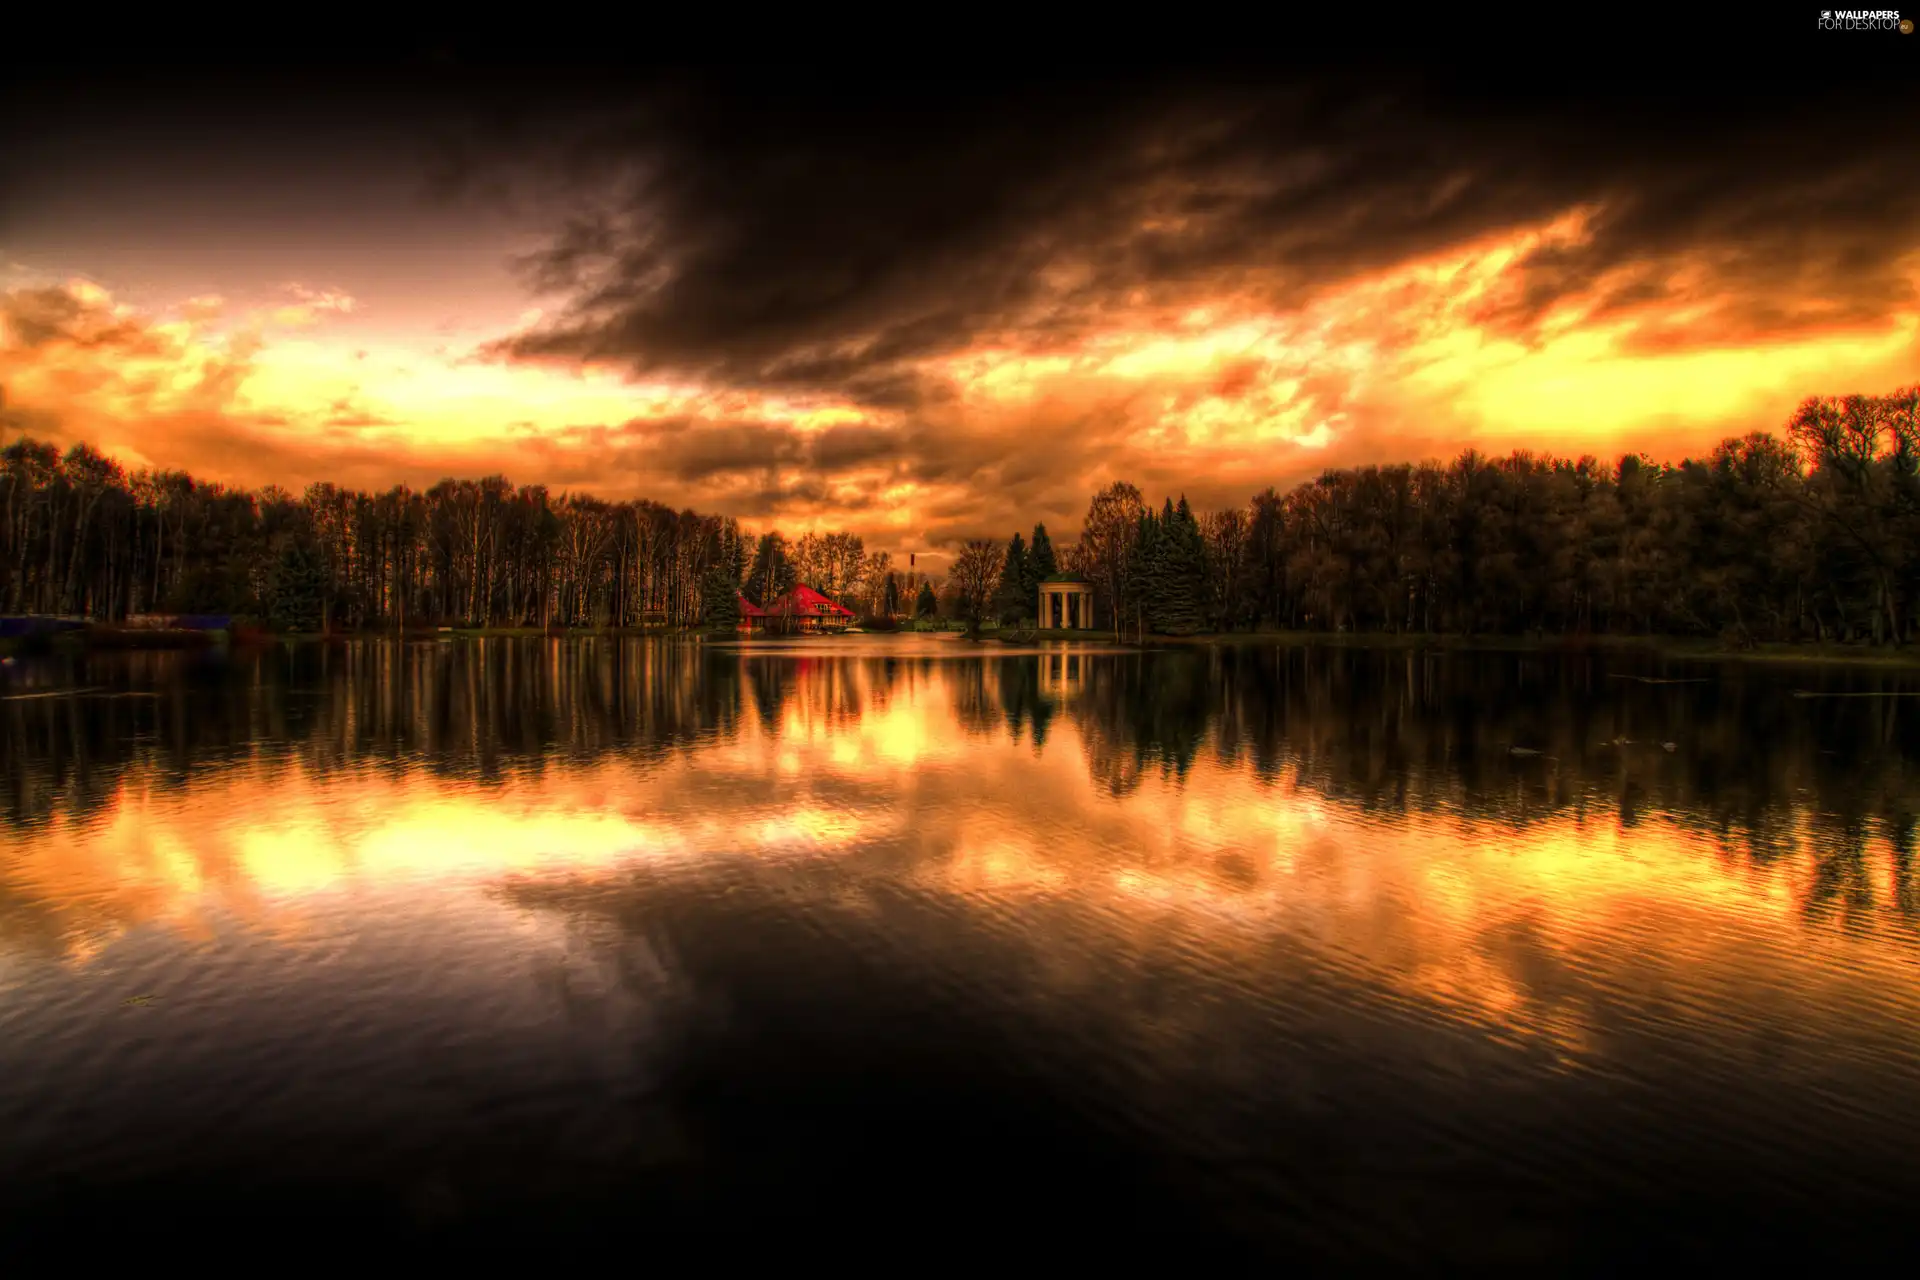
pixel 1202 318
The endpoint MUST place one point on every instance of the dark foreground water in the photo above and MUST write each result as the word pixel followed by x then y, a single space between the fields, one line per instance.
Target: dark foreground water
pixel 884 950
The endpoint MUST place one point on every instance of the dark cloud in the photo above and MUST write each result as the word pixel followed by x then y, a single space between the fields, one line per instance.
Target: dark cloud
pixel 827 235
pixel 32 318
pixel 790 240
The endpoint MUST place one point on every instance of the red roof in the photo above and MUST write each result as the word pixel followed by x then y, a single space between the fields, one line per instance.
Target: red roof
pixel 805 602
pixel 748 609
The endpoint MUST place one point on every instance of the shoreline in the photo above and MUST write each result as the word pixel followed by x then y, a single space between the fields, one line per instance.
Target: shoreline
pixel 1675 648
pixel 1678 648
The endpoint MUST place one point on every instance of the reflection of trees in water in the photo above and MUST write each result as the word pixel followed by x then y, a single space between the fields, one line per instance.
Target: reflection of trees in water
pixel 66 753
pixel 471 709
pixel 1906 890
pixel 1138 712
pixel 1023 700
pixel 976 698
pixel 1509 738
pixel 1841 890
pixel 1523 738
pixel 767 684
pixel 836 693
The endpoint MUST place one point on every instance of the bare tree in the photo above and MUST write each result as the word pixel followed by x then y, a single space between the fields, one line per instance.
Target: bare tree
pixel 807 554
pixel 1226 534
pixel 872 585
pixel 976 573
pixel 1113 517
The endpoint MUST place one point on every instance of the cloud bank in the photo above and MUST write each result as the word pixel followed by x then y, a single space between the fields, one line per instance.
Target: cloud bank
pixel 928 313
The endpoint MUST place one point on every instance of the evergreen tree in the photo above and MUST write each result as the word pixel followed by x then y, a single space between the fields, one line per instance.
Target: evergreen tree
pixel 1041 560
pixel 1167 572
pixel 297 588
pixel 721 599
pixel 771 574
pixel 1140 599
pixel 890 599
pixel 926 606
pixel 1183 573
pixel 1012 599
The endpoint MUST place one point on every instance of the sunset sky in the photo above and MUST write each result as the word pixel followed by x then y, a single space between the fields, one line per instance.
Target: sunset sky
pixel 924 311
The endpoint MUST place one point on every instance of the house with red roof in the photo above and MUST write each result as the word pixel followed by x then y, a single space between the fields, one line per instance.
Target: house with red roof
pixel 804 609
pixel 752 617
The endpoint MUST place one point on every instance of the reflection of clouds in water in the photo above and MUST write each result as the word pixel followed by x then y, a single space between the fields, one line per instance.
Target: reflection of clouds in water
pixel 621 996
pixel 1208 804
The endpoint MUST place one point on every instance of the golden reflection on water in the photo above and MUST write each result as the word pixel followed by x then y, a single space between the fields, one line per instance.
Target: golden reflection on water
pixel 1001 795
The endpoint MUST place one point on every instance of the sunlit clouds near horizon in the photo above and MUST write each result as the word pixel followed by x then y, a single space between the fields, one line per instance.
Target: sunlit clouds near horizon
pixel 839 324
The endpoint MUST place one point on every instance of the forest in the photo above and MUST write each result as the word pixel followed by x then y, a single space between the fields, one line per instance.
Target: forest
pixel 1810 534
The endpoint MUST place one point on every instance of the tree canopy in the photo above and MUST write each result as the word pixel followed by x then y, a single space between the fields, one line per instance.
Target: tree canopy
pixel 1812 534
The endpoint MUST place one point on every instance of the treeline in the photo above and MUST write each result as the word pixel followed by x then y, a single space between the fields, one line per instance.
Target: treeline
pixel 837 565
pixel 81 536
pixel 1814 535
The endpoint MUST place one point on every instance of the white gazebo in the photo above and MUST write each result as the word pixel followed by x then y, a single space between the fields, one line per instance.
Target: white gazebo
pixel 1066 602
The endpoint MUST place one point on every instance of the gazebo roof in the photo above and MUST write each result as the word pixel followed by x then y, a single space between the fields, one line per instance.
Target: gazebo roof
pixel 1067 577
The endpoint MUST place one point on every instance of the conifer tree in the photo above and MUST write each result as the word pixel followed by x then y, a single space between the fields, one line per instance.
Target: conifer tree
pixel 1183 572
pixel 721 606
pixel 1140 601
pixel 1166 572
pixel 926 606
pixel 1012 599
pixel 1041 559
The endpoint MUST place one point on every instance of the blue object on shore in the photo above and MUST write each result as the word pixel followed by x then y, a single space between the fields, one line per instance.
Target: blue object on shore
pixel 36 625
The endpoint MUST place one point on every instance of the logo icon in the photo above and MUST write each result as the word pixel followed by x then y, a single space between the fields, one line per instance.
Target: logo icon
pixel 1865 20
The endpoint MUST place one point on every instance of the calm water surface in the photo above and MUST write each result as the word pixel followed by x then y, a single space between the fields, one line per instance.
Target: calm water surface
pixel 891 944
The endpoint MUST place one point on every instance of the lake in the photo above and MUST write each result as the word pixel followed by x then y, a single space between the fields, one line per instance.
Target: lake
pixel 909 949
